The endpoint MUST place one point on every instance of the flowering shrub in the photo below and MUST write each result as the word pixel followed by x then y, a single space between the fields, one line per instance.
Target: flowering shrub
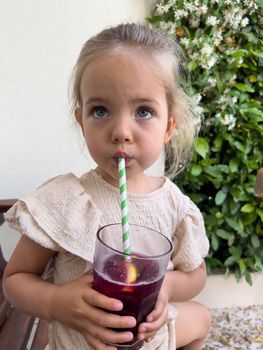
pixel 223 41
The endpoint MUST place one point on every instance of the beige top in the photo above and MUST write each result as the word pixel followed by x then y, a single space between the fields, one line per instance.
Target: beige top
pixel 65 213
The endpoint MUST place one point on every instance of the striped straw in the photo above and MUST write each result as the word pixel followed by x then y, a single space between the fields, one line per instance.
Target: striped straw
pixel 124 207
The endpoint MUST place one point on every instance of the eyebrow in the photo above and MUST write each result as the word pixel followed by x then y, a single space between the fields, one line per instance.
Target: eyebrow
pixel 95 99
pixel 145 100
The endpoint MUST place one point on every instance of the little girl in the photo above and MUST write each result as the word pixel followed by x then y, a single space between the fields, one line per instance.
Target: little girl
pixel 128 102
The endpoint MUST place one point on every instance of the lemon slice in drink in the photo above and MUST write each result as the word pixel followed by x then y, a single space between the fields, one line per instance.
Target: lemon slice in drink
pixel 131 271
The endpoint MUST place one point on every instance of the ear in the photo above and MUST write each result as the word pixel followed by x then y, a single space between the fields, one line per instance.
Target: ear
pixel 78 116
pixel 170 129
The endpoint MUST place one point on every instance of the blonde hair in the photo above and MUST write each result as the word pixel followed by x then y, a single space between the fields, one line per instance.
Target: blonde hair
pixel 167 58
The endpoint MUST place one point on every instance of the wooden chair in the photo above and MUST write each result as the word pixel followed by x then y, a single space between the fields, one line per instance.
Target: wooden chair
pixel 18 331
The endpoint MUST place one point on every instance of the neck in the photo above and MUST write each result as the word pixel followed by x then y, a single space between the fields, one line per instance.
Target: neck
pixel 139 184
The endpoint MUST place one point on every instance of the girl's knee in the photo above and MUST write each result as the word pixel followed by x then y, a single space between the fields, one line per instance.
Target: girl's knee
pixel 205 319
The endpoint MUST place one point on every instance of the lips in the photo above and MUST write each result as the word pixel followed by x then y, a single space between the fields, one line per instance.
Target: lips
pixel 122 155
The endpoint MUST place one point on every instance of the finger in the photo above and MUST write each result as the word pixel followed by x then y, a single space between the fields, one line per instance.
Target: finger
pixel 148 327
pixel 97 344
pixel 109 320
pixel 99 300
pixel 108 335
pixel 157 312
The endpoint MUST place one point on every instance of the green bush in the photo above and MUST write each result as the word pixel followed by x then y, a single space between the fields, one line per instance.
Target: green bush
pixel 223 41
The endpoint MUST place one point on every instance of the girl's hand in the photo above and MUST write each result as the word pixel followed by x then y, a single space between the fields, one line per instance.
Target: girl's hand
pixel 78 306
pixel 156 319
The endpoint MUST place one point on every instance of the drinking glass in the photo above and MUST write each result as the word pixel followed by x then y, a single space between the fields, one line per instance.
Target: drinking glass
pixel 134 279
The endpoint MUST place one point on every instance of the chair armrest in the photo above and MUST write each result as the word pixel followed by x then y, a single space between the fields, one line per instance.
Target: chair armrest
pixel 6 204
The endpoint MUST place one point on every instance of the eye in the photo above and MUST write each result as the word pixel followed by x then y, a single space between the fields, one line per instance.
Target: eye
pixel 145 112
pixel 99 112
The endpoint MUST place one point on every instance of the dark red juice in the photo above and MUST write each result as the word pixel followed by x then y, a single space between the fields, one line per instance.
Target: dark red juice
pixel 135 282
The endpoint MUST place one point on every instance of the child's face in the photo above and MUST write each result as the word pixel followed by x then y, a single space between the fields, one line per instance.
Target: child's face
pixel 124 112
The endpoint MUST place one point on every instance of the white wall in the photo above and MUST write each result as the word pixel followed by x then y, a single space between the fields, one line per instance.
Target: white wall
pixel 39 44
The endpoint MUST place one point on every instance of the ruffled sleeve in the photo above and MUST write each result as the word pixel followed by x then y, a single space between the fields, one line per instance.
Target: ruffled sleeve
pixel 190 240
pixel 59 215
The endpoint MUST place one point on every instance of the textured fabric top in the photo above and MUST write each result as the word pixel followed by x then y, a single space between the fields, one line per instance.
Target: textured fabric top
pixel 65 213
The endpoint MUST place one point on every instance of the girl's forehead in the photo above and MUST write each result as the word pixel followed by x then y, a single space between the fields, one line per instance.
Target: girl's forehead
pixel 125 64
pixel 121 77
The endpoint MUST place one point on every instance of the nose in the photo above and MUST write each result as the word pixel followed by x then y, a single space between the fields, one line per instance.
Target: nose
pixel 121 132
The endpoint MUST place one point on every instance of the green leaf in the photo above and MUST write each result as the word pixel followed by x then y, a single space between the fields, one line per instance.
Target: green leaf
pixel 255 241
pixel 229 261
pixel 242 265
pixel 233 165
pixel 223 234
pixel 220 197
pixel 258 53
pixel 252 78
pixel 244 87
pixel 247 208
pixel 239 53
pixel 196 169
pixel 260 213
pixel 248 278
pixel 192 65
pixel 201 147
pixel 215 242
pixel 251 111
pixel 218 143
pixel 235 224
pixel 235 252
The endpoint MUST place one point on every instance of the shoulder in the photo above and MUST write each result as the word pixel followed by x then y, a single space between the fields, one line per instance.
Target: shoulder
pixel 176 194
pixel 182 202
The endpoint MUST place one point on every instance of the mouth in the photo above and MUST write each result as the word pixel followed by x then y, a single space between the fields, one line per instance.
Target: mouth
pixel 120 155
pixel 124 155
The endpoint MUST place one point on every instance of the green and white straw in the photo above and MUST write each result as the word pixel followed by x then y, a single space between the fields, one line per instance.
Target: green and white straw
pixel 124 207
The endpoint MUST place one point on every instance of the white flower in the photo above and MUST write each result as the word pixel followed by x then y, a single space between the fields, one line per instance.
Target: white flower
pixel 203 9
pixel 160 9
pixel 180 14
pixel 167 27
pixel 185 42
pixel 212 81
pixel 229 120
pixel 195 56
pixel 218 38
pixel 207 50
pixel 234 99
pixel 194 22
pixel 212 21
pixel 211 62
pixel 244 22
pixel 190 7
pixel 171 2
pixel 222 100
pixel 197 98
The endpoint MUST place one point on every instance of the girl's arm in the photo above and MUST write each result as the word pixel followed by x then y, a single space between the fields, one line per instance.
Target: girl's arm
pixel 177 286
pixel 22 282
pixel 182 286
pixel 75 304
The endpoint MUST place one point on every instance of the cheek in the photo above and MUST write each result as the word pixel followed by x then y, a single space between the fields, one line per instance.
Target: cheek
pixel 93 146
